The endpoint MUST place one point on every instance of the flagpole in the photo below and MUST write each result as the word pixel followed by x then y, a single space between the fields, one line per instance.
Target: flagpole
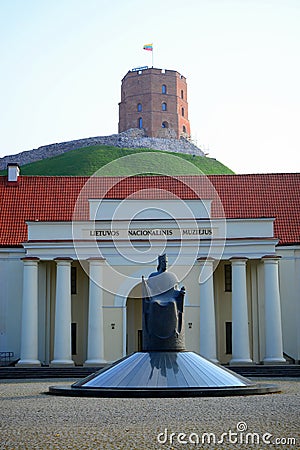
pixel 149 47
pixel 152 55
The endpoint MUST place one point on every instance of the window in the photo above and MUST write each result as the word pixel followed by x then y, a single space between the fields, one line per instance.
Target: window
pixel 73 280
pixel 184 129
pixel 140 340
pixel 182 112
pixel 228 278
pixel 164 106
pixel 139 107
pixel 74 338
pixel 164 89
pixel 181 93
pixel 140 122
pixel 165 125
pixel 228 337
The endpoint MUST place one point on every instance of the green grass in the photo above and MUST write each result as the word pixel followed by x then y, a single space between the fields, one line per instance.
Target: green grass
pixel 88 160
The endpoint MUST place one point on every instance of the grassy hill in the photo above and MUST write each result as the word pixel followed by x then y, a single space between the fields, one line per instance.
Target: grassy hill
pixel 86 161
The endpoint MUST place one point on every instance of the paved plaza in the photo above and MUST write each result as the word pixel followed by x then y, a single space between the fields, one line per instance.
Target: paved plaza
pixel 32 420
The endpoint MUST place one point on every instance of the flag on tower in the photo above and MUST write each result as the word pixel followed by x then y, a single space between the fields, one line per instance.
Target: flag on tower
pixel 148 47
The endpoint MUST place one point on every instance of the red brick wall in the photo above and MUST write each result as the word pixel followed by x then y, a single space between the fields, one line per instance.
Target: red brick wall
pixel 145 87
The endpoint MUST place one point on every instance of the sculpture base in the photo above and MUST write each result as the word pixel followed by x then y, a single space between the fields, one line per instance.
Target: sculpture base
pixel 163 374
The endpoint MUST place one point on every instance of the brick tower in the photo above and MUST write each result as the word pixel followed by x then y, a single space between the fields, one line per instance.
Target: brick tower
pixel 155 100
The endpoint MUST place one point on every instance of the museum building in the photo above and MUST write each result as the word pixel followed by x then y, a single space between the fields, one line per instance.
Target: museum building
pixel 73 251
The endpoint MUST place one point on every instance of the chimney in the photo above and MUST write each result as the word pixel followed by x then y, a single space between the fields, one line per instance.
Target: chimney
pixel 13 172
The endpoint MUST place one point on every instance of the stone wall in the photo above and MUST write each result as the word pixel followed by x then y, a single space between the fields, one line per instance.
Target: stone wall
pixel 133 138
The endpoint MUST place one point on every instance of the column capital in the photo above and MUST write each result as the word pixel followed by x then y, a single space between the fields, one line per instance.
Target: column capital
pixel 95 260
pixel 205 262
pixel 237 259
pixel 270 258
pixel 30 258
pixel 206 266
pixel 61 260
pixel 204 259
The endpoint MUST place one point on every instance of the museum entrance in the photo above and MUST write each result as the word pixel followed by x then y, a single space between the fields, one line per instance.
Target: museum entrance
pixel 134 335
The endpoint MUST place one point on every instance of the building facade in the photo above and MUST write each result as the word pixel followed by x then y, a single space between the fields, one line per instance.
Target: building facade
pixel 155 101
pixel 74 250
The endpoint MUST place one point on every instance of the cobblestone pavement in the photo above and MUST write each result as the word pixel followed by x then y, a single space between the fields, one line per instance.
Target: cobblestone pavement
pixel 32 420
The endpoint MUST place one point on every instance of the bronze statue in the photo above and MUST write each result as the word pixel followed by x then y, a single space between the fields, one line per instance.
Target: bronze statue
pixel 162 310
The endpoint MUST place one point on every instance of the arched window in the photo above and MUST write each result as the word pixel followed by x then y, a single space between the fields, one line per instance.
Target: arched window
pixel 140 122
pixel 139 107
pixel 182 112
pixel 164 106
pixel 164 89
pixel 181 93
pixel 184 129
pixel 165 125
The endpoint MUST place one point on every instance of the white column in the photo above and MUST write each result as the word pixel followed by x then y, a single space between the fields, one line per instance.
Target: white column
pixel 62 325
pixel 208 346
pixel 240 330
pixel 95 347
pixel 273 329
pixel 124 326
pixel 29 333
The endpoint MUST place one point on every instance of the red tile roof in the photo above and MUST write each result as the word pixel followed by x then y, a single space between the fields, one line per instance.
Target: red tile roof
pixel 242 196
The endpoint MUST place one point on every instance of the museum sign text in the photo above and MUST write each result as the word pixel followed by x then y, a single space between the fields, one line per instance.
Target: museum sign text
pixel 158 233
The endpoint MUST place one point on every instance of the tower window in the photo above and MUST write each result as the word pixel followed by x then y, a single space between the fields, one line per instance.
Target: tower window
pixel 140 122
pixel 182 93
pixel 182 112
pixel 165 125
pixel 164 89
pixel 164 106
pixel 184 129
pixel 139 107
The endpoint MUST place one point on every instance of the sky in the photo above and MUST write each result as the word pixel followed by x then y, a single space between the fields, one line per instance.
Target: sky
pixel 62 62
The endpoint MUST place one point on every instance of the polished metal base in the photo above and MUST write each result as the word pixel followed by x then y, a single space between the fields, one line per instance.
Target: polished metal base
pixel 163 374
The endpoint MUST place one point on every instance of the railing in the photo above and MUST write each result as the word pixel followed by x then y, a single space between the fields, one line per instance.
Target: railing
pixel 6 358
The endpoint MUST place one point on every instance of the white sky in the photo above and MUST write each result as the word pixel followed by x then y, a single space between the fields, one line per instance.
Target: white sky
pixel 62 62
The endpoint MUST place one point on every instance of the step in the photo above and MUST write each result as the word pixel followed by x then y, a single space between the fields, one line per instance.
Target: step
pixel 81 372
pixel 268 370
pixel 46 372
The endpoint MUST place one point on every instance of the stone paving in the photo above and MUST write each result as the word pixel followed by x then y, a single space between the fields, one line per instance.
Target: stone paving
pixel 32 420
